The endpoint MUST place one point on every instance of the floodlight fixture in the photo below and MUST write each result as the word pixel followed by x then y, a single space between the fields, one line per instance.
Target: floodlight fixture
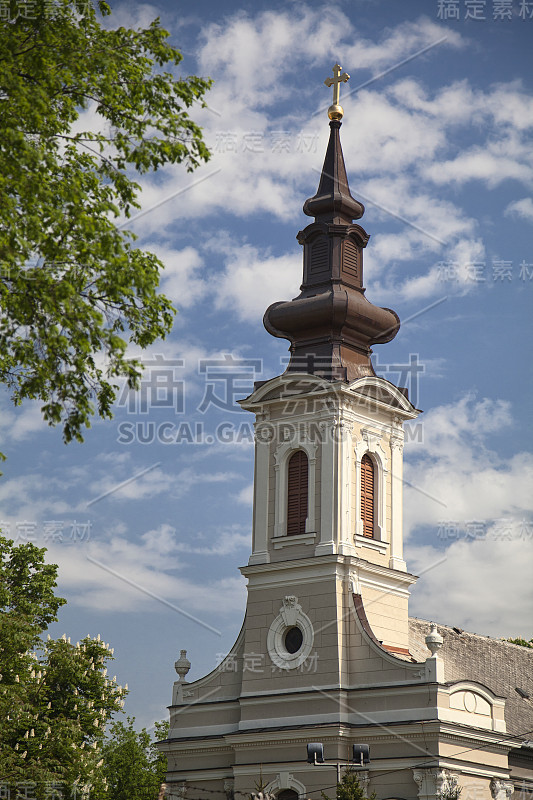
pixel 361 754
pixel 315 756
pixel 315 753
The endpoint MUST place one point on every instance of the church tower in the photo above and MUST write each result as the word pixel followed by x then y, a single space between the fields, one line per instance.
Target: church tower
pixel 323 654
pixel 329 438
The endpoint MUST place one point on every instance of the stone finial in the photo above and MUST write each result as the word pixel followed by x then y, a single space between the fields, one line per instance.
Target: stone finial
pixel 434 640
pixel 182 665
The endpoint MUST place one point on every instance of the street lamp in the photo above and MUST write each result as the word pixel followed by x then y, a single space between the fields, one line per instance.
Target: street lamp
pixel 315 756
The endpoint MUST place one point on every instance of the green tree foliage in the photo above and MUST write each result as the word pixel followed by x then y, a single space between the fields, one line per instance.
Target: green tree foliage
pixel 132 765
pixel 350 789
pixel 73 287
pixel 55 697
pixel 521 642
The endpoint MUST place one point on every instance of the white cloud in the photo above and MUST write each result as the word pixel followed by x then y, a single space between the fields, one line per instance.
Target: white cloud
pixel 405 134
pixel 22 424
pixel 483 585
pixel 180 280
pixel 30 497
pixel 490 164
pixel 252 174
pixel 251 281
pixel 407 142
pixel 222 542
pixel 138 15
pixel 156 482
pixel 230 50
pixel 116 574
pixel 246 495
pixel 521 208
pixel 476 511
pixel 400 42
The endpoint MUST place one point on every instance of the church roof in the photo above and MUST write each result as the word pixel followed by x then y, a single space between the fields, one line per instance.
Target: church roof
pixel 505 668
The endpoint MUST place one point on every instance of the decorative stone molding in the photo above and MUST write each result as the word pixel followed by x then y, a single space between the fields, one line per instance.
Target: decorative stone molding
pixel 290 610
pixel 371 438
pixel 396 560
pixel 433 783
pixel 179 790
pixel 284 780
pixel 469 703
pixel 290 616
pixel 229 788
pixel 180 695
pixel 396 442
pixel 264 432
pixel 442 777
pixel 373 544
pixel 279 542
pixel 282 454
pixel 501 790
pixel 354 583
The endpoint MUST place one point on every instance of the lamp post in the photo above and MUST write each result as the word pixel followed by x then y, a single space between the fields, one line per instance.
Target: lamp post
pixel 315 756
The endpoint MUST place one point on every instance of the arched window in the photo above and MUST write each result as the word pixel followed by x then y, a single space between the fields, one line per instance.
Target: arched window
pixel 297 493
pixel 367 495
pixel 287 794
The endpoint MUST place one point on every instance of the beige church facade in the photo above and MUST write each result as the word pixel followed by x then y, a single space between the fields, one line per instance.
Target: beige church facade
pixel 327 652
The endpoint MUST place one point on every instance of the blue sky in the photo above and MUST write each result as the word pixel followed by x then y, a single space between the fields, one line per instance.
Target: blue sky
pixel 149 527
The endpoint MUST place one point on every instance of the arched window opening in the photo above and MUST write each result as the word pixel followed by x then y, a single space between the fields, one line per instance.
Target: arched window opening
pixel 297 493
pixel 287 794
pixel 367 496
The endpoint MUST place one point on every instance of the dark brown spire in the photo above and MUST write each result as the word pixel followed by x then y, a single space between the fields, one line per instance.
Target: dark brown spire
pixel 331 325
pixel 333 201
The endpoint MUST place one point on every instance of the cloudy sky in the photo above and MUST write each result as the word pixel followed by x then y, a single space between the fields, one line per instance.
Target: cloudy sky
pixel 150 518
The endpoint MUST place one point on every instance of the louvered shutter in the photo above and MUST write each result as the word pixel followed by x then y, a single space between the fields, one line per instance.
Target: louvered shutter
pixel 297 493
pixel 367 496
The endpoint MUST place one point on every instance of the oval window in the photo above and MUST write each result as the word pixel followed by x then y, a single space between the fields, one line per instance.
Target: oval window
pixel 293 640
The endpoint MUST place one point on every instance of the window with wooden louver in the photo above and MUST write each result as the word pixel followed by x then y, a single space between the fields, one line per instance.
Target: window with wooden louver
pixel 367 496
pixel 297 493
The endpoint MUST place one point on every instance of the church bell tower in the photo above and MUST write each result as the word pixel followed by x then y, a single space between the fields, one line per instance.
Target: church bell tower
pixel 323 653
pixel 329 439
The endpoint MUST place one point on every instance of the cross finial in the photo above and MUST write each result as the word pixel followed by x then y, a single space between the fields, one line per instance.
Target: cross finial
pixel 336 111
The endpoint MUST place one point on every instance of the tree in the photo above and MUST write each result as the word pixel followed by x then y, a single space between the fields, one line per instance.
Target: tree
pixel 132 765
pixel 349 788
pixel 259 792
pixel 74 290
pixel 55 697
pixel 521 642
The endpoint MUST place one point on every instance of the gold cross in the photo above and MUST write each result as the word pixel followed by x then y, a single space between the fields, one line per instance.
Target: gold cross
pixel 336 82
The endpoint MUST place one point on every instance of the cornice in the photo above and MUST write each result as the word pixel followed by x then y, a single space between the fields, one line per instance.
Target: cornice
pixel 320 566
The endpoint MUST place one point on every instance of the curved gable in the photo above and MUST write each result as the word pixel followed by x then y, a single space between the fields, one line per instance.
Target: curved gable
pixel 383 392
pixel 471 703
pixel 286 385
